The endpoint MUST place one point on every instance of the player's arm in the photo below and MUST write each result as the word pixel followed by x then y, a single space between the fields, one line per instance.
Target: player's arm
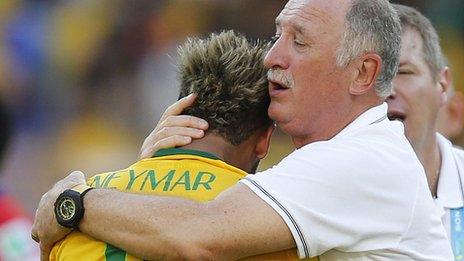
pixel 236 224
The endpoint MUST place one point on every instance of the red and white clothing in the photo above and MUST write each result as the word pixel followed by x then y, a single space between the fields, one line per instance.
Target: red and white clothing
pixel 15 232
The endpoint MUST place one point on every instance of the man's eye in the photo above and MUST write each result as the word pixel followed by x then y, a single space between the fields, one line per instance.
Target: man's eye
pixel 275 38
pixel 405 72
pixel 298 43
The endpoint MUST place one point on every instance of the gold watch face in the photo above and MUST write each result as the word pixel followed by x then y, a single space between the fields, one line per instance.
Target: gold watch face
pixel 67 209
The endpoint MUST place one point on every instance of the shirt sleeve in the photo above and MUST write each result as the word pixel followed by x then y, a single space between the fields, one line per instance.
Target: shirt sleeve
pixel 339 196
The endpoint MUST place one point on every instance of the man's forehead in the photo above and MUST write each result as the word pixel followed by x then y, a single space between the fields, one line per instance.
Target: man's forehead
pixel 412 47
pixel 323 11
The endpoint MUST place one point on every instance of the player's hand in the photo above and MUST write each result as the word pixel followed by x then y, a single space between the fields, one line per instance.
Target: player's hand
pixel 46 230
pixel 174 130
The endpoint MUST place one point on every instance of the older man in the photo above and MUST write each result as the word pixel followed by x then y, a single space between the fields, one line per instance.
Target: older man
pixel 354 189
pixel 421 89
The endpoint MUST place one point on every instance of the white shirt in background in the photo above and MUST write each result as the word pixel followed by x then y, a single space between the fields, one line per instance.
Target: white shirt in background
pixel 450 193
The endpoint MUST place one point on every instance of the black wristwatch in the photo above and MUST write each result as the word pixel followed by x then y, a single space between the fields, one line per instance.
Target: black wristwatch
pixel 69 206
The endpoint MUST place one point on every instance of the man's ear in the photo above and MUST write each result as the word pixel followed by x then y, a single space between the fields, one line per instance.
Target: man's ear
pixel 445 81
pixel 366 72
pixel 264 141
pixel 455 110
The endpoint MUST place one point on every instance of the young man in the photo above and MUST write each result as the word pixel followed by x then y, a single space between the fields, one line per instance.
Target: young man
pixel 234 102
pixel 420 90
pixel 353 190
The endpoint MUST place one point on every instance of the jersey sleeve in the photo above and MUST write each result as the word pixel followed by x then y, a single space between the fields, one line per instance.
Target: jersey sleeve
pixel 339 197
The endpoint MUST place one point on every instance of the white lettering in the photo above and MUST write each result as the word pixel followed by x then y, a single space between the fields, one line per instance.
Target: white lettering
pixel 458 221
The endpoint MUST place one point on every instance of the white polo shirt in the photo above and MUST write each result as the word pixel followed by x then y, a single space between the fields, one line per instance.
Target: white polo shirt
pixel 450 192
pixel 362 195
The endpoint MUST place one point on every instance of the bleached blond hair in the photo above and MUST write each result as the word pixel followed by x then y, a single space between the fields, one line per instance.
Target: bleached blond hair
pixel 226 71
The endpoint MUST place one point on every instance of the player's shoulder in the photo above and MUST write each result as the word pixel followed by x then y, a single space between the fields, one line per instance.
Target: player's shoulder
pixel 98 179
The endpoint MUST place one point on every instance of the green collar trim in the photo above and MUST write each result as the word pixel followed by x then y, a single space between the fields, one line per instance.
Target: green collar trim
pixel 177 151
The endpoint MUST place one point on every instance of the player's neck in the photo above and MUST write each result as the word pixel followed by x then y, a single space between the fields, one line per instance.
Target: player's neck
pixel 218 146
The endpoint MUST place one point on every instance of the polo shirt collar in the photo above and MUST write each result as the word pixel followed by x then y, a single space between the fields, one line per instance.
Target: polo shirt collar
pixel 449 192
pixel 371 116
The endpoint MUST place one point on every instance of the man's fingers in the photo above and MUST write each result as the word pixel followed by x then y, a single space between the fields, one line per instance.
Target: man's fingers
pixel 180 105
pixel 34 234
pixel 179 131
pixel 174 129
pixel 181 125
pixel 44 251
pixel 166 132
pixel 35 238
pixel 76 176
pixel 169 142
pixel 173 141
pixel 184 121
pixel 34 229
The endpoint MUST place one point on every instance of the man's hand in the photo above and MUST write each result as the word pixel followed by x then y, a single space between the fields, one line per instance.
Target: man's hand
pixel 45 229
pixel 174 130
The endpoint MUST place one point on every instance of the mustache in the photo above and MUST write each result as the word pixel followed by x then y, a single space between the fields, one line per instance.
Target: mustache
pixel 280 77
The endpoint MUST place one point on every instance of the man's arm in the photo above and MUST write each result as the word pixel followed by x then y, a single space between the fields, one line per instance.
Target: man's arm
pixel 236 224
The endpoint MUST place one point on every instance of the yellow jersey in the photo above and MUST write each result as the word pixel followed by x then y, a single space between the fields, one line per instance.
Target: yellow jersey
pixel 190 174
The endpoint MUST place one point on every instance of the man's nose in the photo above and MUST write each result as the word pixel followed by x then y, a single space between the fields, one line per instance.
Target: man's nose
pixel 392 95
pixel 277 57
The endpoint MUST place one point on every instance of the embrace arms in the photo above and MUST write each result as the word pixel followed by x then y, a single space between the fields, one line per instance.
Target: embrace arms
pixel 236 224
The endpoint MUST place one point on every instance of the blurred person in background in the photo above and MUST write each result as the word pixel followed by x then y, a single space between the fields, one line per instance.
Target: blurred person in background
pixel 15 241
pixel 319 198
pixel 421 88
pixel 451 115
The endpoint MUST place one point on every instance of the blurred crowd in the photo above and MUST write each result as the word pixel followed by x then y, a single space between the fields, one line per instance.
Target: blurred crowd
pixel 85 81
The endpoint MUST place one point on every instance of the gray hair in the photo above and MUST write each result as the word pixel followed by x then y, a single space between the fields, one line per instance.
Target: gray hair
pixel 373 26
pixel 411 18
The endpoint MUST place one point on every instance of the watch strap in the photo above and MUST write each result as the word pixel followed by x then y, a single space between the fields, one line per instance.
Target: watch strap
pixel 81 189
